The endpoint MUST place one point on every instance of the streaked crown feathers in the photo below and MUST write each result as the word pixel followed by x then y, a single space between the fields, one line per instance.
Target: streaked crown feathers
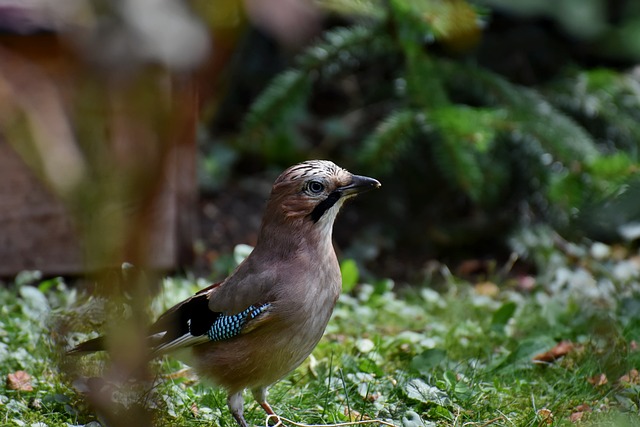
pixel 289 188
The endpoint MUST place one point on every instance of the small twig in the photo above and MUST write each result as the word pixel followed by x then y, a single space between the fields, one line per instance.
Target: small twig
pixel 508 266
pixel 501 417
pixel 182 373
pixel 351 423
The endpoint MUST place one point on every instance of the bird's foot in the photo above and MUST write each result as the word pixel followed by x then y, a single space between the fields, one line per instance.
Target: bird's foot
pixel 272 418
pixel 240 419
pixel 236 403
pixel 267 408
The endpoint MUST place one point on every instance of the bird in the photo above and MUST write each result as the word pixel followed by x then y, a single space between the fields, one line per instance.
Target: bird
pixel 260 323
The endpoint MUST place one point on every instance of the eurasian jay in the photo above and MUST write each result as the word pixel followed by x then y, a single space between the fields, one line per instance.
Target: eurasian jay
pixel 260 323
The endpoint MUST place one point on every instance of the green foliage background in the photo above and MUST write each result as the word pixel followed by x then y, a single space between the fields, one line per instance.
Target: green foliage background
pixel 425 96
pixel 483 120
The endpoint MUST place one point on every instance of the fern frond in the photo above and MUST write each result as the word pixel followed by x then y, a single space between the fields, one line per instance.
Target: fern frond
pixel 451 20
pixel 343 49
pixel 362 8
pixel 391 138
pixel 425 87
pixel 607 102
pixel 340 49
pixel 559 134
pixel 287 92
pixel 464 142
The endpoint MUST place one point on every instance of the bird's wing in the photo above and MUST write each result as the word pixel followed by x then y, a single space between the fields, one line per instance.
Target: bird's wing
pixel 256 279
pixel 192 322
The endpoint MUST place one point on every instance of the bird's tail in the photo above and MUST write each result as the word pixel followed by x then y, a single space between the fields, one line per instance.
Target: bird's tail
pixel 91 346
pixel 185 324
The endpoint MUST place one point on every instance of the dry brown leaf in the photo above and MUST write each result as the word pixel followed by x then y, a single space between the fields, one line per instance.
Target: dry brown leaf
pixel 583 408
pixel 576 416
pixel 630 378
pixel 598 380
pixel 489 289
pixel 526 283
pixel 19 380
pixel 470 267
pixel 619 252
pixel 579 412
pixel 188 374
pixel 635 260
pixel 561 349
pixel 354 415
pixel 546 416
pixel 372 397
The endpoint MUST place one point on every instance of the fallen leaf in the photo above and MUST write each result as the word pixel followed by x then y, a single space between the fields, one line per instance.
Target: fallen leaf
pixel 561 349
pixel 630 378
pixel 598 380
pixel 419 390
pixel 187 374
pixel 354 415
pixel 365 345
pixel 488 289
pixel 576 416
pixel 19 380
pixel 619 252
pixel 546 416
pixel 579 412
pixel 635 260
pixel 583 408
pixel 526 283
pixel 313 366
pixel 36 404
pixel 469 267
pixel 372 397
pixel 600 251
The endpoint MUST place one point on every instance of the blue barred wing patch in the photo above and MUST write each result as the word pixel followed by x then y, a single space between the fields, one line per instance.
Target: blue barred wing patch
pixel 225 327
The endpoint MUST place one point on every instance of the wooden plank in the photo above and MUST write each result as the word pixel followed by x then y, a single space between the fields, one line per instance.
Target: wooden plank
pixel 35 231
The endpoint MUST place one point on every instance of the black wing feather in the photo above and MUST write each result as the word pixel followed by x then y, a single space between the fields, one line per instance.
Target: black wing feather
pixel 191 316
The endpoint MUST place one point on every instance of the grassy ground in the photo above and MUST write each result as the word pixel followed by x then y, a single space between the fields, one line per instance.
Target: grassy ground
pixel 458 357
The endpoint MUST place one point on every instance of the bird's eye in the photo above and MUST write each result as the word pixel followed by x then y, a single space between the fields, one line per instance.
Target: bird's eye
pixel 315 187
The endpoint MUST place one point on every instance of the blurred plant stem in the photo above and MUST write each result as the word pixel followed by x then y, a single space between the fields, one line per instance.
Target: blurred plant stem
pixel 101 100
pixel 105 140
pixel 103 146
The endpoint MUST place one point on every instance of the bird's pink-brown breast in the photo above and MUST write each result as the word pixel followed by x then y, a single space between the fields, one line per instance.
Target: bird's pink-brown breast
pixel 268 352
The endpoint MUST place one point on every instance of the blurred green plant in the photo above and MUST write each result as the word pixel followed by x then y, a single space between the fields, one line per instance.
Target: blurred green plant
pixel 469 152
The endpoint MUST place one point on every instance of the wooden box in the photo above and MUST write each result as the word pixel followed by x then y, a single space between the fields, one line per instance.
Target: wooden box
pixel 36 230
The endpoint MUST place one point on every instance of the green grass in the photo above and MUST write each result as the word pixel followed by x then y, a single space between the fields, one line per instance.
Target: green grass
pixel 413 356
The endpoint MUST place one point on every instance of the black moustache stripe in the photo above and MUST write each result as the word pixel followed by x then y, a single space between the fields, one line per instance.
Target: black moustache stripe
pixel 325 205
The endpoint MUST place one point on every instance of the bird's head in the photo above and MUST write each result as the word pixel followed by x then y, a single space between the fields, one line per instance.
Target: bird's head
pixel 313 191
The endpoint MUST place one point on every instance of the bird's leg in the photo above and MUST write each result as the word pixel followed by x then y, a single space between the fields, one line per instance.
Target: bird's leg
pixel 235 402
pixel 260 394
pixel 267 408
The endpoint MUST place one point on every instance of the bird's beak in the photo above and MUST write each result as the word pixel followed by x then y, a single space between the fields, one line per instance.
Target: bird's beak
pixel 359 184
